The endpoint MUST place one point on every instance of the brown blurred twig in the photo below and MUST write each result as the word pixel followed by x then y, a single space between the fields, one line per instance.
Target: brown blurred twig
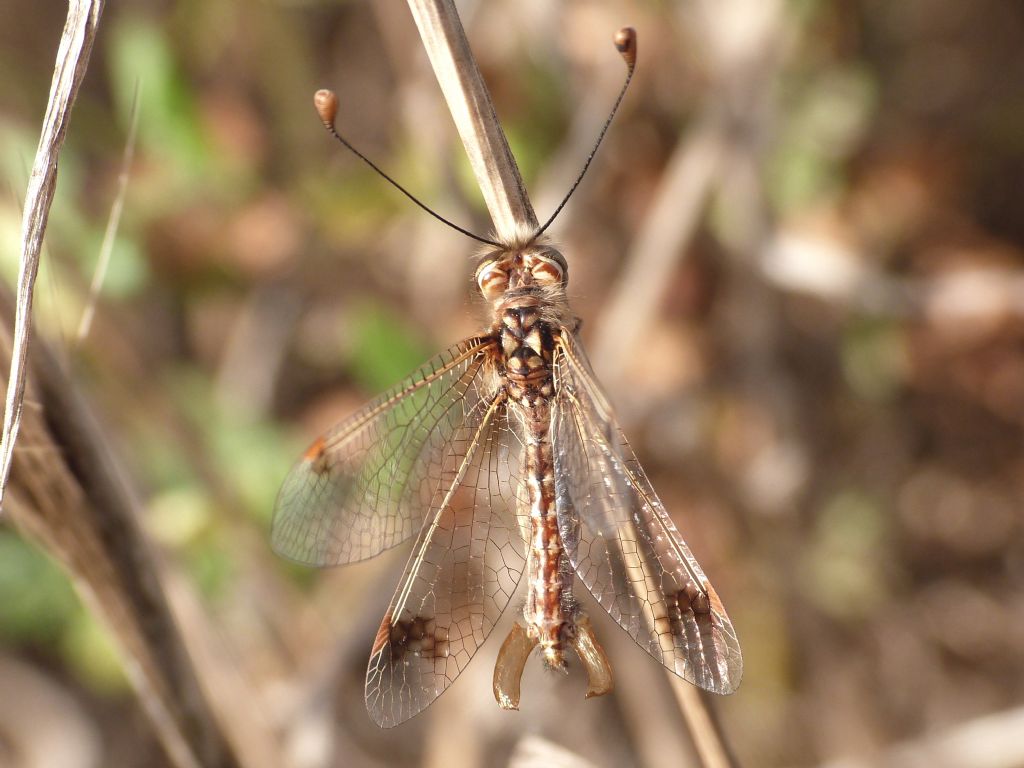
pixel 708 738
pixel 72 60
pixel 658 247
pixel 651 720
pixel 67 493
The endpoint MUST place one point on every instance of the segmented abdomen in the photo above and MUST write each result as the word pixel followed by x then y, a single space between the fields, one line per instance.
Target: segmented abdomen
pixel 544 567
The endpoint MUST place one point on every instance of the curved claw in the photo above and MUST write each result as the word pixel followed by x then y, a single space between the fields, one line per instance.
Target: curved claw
pixel 593 658
pixel 508 669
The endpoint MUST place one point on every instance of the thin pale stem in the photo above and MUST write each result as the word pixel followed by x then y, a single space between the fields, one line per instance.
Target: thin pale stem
pixel 113 222
pixel 72 60
pixel 708 739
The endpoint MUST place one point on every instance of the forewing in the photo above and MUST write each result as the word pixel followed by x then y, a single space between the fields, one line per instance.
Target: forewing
pixel 367 484
pixel 464 568
pixel 622 542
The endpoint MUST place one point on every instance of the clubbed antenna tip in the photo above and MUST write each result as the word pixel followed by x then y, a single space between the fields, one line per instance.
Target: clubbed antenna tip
pixel 625 42
pixel 326 103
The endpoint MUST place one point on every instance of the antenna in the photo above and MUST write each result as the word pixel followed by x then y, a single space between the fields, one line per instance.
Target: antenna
pixel 625 42
pixel 326 103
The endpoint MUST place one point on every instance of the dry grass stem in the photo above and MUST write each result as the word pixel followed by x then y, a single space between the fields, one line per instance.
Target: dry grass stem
pixel 68 495
pixel 658 247
pixel 72 60
pixel 65 491
pixel 708 738
pixel 655 726
pixel 113 221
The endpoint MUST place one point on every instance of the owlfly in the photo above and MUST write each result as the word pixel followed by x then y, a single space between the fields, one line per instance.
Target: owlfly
pixel 502 457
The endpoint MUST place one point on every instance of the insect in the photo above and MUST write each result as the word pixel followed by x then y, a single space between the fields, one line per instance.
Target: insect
pixel 502 457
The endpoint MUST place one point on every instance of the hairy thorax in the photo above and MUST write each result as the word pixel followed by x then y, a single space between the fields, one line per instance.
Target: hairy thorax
pixel 527 347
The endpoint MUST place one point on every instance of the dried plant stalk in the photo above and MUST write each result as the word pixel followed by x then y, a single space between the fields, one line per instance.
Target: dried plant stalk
pixel 72 60
pixel 65 493
pixel 657 249
pixel 708 738
pixel 64 488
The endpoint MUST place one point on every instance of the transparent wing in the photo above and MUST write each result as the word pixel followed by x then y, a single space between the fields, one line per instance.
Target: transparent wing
pixel 622 542
pixel 463 570
pixel 367 484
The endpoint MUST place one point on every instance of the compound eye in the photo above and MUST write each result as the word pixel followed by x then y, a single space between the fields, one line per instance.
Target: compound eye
pixel 547 271
pixel 492 279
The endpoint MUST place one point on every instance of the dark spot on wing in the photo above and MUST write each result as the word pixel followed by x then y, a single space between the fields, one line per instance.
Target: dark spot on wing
pixel 418 636
pixel 688 599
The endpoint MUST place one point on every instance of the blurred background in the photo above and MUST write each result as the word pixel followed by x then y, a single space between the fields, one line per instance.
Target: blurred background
pixel 799 258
